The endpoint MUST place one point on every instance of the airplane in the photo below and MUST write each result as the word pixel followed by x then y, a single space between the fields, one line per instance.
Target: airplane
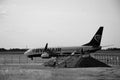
pixel 86 49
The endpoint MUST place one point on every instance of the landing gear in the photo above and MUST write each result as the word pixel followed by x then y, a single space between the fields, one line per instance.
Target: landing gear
pixel 31 58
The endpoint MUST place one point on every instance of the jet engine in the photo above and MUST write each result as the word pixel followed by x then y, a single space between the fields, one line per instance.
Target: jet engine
pixel 45 55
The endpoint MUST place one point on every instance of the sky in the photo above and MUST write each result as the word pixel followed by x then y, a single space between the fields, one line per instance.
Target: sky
pixel 33 23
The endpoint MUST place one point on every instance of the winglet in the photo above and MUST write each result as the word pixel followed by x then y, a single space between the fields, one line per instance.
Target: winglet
pixel 46 46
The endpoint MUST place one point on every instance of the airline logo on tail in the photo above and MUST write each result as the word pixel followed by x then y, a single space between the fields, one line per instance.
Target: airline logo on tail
pixel 97 38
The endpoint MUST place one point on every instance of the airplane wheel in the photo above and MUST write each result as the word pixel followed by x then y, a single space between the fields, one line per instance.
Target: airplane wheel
pixel 31 58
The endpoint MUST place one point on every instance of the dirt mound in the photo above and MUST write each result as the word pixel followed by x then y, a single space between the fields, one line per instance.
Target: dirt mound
pixel 76 62
pixel 90 62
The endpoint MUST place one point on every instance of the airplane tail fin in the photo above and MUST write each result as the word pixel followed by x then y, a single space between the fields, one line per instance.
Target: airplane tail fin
pixel 96 40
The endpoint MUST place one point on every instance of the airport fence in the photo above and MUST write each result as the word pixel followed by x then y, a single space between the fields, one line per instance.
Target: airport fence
pixel 18 59
pixel 21 59
pixel 108 59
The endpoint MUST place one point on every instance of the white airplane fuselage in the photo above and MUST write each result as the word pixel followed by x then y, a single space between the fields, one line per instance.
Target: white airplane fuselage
pixel 88 48
pixel 59 51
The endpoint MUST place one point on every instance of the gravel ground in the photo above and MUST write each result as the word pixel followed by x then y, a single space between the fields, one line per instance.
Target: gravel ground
pixel 41 73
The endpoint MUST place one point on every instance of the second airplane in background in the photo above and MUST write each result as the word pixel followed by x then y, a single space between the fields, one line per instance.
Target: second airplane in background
pixel 91 47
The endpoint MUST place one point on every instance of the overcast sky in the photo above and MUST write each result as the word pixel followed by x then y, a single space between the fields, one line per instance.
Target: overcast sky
pixel 33 23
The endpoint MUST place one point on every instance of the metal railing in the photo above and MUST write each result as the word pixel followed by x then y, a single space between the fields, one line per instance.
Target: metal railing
pixel 21 59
